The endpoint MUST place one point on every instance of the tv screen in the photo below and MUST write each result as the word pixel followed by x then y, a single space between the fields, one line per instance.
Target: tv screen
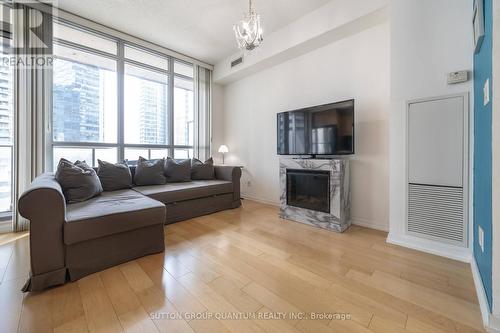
pixel 320 130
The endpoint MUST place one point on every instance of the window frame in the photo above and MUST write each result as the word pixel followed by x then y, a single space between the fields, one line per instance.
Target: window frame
pixel 121 61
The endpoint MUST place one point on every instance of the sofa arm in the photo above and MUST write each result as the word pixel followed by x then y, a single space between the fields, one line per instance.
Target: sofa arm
pixel 44 205
pixel 232 174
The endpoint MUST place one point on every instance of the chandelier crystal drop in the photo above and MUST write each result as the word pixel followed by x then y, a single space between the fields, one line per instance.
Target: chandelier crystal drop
pixel 248 31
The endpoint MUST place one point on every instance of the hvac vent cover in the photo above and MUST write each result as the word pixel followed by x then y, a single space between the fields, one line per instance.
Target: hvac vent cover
pixel 437 157
pixel 437 212
pixel 237 61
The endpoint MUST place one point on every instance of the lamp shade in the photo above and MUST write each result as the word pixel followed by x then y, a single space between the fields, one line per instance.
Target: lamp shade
pixel 223 149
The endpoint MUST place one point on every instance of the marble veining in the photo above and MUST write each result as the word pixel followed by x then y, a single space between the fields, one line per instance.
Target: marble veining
pixel 339 217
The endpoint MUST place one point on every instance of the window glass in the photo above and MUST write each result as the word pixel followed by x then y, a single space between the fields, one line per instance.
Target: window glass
pixel 146 115
pixel 85 38
pixel 72 155
pixel 84 98
pixel 183 112
pixel 158 117
pixel 148 58
pixel 183 153
pixel 132 154
pixel 105 154
pixel 6 127
pixel 158 153
pixel 5 178
pixel 183 68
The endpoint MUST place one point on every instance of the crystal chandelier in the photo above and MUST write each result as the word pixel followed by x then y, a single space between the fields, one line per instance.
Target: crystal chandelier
pixel 248 31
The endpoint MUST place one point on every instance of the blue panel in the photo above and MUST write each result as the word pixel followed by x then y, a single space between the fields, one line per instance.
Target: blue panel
pixel 483 154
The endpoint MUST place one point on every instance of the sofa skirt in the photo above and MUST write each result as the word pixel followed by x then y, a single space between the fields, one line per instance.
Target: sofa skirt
pixel 46 280
pixel 98 254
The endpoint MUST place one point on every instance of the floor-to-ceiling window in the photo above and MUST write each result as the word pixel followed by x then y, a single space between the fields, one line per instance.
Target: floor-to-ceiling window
pixel 6 128
pixel 115 101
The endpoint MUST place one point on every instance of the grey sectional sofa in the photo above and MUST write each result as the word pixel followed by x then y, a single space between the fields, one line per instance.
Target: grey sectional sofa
pixel 69 241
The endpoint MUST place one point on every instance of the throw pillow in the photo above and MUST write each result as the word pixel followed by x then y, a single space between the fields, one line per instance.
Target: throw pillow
pixel 150 172
pixel 177 171
pixel 202 171
pixel 78 181
pixel 114 176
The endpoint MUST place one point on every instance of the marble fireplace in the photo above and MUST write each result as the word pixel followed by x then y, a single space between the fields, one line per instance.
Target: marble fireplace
pixel 316 192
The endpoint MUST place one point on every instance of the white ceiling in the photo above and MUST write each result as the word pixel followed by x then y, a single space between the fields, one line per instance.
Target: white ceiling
pixel 198 28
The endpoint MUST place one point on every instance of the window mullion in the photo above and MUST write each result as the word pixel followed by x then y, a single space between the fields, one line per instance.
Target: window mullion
pixel 170 108
pixel 121 103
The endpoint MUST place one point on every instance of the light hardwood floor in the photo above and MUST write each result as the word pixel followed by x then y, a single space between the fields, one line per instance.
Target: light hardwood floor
pixel 251 262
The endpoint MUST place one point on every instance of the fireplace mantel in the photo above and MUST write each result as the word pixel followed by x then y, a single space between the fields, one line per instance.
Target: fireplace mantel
pixel 338 219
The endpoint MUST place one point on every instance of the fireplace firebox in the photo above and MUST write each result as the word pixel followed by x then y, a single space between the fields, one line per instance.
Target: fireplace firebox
pixel 315 192
pixel 309 189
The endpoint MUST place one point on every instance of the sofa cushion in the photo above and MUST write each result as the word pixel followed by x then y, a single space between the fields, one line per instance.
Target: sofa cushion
pixel 150 172
pixel 202 171
pixel 177 171
pixel 111 213
pixel 114 176
pixel 79 182
pixel 175 192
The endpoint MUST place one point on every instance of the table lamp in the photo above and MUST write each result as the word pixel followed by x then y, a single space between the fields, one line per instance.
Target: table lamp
pixel 223 149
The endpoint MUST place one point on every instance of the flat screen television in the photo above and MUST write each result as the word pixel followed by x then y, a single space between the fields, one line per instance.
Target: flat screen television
pixel 320 130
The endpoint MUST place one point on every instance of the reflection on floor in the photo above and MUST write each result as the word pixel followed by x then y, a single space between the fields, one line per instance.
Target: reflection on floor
pixel 249 262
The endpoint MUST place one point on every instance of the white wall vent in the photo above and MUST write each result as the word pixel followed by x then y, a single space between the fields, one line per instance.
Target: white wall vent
pixel 237 61
pixel 437 212
pixel 437 201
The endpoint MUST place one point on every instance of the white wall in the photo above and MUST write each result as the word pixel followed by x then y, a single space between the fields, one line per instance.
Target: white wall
pixel 355 67
pixel 429 38
pixel 335 20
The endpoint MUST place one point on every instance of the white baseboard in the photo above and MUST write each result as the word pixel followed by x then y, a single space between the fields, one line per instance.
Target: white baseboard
pixel 494 324
pixel 370 224
pixel 356 221
pixel 425 245
pixel 264 201
pixel 490 322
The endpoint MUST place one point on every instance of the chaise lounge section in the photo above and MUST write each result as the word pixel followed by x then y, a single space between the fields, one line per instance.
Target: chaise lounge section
pixel 70 241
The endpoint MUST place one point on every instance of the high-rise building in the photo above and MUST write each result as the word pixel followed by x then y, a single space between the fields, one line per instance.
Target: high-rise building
pixel 153 122
pixel 6 136
pixel 5 104
pixel 78 110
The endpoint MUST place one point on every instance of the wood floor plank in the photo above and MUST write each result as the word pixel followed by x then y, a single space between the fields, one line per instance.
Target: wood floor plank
pixel 163 313
pixel 268 322
pixel 35 314
pixel 19 262
pixel 12 299
pixel 65 304
pixel 119 291
pixel 208 326
pixel 99 312
pixel 79 325
pixel 381 325
pixel 272 301
pixel 250 262
pixel 136 277
pixel 359 282
pixel 137 321
pixel 181 298
pixel 442 303
pixel 216 304
pixel 234 295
